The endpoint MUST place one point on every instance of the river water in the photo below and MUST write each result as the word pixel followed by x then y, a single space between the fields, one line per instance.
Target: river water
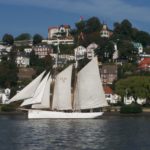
pixel 106 133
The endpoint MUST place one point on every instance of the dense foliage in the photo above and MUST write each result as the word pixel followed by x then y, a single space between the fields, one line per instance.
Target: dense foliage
pixel 136 86
pixel 131 109
pixel 23 36
pixel 37 38
pixel 8 70
pixel 8 39
pixel 8 107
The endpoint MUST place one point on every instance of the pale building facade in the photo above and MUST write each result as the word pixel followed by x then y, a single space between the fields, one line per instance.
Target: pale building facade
pixel 90 50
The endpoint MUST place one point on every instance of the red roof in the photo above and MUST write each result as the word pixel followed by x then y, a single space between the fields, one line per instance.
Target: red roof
pixel 144 63
pixel 108 90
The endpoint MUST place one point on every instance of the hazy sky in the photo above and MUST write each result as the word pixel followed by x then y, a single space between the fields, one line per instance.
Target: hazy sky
pixel 35 16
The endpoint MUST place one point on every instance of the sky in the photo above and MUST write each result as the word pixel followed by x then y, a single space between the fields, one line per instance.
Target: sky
pixel 35 16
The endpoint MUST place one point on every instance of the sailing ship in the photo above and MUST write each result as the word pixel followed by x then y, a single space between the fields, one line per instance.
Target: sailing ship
pixel 87 96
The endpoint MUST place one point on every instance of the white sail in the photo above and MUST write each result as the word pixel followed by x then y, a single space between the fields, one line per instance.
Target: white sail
pixel 37 97
pixel 62 90
pixel 29 90
pixel 45 103
pixel 89 92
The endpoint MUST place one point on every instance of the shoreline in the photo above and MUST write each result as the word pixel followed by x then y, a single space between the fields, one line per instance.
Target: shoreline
pixel 106 114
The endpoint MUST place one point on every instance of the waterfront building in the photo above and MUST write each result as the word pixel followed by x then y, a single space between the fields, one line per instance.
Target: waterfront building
pixel 130 99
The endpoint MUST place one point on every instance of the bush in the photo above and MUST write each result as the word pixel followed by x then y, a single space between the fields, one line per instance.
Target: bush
pixel 8 107
pixel 131 109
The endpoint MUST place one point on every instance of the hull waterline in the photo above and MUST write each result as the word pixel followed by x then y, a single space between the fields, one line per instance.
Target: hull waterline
pixel 39 114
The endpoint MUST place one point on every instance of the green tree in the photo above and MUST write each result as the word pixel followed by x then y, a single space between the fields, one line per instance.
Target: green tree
pixel 37 38
pixel 105 52
pixel 33 59
pixel 8 70
pixel 147 50
pixel 23 36
pixel 93 24
pixel 80 26
pixel 136 86
pixel 127 51
pixel 48 62
pixel 123 30
pixel 143 37
pixel 8 39
pixel 127 69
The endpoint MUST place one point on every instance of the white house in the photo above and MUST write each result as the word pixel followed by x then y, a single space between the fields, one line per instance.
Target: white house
pixel 28 50
pixel 110 96
pixel 57 31
pixel 105 33
pixel 22 61
pixel 5 48
pixel 4 95
pixel 90 50
pixel 115 54
pixel 138 47
pixel 130 99
pixel 67 41
pixel 80 52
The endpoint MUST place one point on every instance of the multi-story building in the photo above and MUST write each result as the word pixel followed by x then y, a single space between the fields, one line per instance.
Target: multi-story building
pixel 58 31
pixel 108 73
pixel 59 35
pixel 42 50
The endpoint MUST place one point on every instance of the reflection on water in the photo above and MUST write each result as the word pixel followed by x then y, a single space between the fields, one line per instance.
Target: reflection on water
pixel 112 133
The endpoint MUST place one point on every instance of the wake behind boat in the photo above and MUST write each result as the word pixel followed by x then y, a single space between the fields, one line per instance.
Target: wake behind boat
pixel 85 101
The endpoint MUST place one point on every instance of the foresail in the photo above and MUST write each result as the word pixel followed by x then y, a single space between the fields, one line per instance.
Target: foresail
pixel 89 92
pixel 29 90
pixel 45 103
pixel 37 97
pixel 62 90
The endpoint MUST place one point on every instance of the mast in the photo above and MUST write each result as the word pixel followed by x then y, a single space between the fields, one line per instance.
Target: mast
pixel 74 86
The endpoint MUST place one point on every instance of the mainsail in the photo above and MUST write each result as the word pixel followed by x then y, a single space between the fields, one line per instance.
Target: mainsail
pixel 29 90
pixel 89 91
pixel 38 95
pixel 62 90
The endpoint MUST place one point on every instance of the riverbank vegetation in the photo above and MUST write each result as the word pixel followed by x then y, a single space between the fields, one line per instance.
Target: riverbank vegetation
pixel 131 109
